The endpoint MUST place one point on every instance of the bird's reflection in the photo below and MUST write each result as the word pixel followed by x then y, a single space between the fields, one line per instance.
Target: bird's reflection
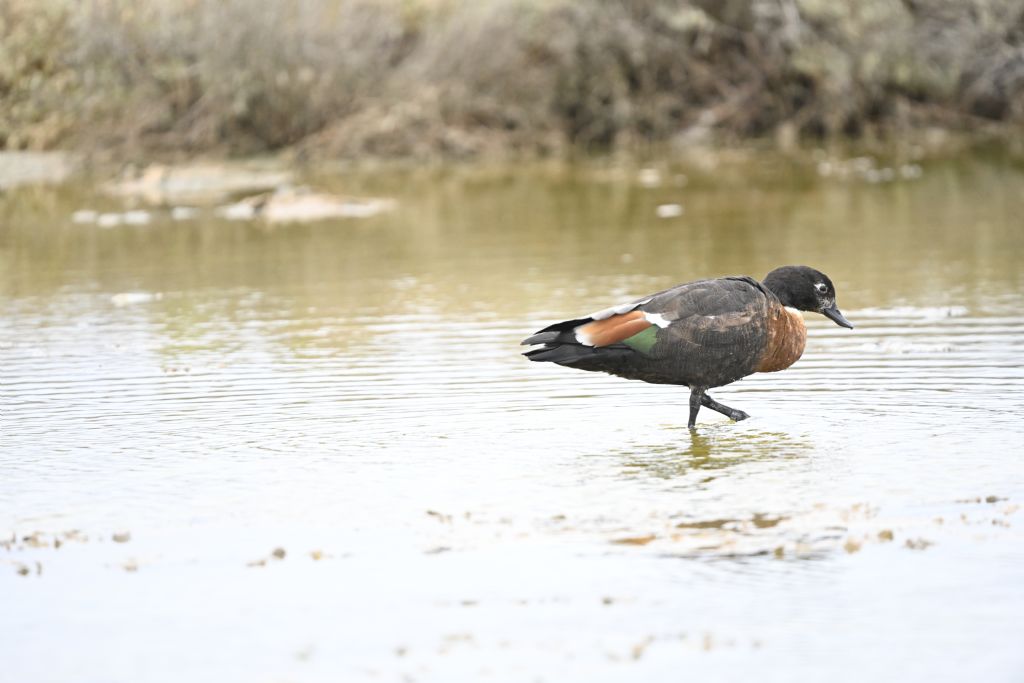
pixel 710 450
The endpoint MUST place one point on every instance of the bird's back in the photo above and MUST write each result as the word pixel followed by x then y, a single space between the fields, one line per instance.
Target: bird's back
pixel 705 333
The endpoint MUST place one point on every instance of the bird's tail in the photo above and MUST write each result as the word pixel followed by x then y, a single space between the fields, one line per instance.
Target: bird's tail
pixel 558 344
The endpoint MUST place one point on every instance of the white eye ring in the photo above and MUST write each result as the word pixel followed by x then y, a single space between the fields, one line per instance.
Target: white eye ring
pixel 821 287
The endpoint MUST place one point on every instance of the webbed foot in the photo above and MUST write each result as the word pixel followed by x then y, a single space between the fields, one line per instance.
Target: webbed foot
pixel 730 413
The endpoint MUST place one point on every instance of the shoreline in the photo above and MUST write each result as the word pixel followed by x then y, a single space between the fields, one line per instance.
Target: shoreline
pixel 21 168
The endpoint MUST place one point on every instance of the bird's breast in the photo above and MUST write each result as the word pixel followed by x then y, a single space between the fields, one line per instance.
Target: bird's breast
pixel 787 336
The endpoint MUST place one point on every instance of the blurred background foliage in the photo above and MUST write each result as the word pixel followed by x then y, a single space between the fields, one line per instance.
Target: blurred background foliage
pixel 458 78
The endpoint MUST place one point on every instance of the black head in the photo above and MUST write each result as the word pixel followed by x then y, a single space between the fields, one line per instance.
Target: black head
pixel 806 289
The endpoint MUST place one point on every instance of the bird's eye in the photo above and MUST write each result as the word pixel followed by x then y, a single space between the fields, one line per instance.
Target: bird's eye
pixel 821 287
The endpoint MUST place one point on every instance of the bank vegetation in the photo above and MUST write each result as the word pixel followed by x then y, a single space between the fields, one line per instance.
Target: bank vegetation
pixel 461 78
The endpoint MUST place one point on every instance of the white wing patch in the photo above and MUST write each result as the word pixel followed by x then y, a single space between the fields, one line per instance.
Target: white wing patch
pixel 617 310
pixel 657 319
pixel 583 338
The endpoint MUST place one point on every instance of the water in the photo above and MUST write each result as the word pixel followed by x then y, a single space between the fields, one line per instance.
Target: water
pixel 351 393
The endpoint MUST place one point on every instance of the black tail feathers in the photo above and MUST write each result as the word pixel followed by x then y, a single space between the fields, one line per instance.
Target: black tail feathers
pixel 559 332
pixel 561 346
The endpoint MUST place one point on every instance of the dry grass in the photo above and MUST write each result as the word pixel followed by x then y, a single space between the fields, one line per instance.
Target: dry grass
pixel 450 78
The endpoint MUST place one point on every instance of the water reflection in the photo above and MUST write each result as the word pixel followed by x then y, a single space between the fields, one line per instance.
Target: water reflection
pixel 717 446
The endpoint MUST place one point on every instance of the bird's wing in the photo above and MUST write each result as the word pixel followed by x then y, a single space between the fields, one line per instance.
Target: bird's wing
pixel 711 314
pixel 701 313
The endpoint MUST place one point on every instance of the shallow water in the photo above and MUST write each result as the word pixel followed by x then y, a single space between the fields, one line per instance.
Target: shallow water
pixel 351 392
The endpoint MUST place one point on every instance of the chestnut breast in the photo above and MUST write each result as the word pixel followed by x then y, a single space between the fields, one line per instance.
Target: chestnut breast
pixel 787 336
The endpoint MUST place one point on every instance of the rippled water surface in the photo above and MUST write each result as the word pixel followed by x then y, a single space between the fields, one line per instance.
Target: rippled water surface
pixel 313 452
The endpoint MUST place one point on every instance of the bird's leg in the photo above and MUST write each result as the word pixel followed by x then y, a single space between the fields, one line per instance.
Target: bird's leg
pixel 730 413
pixel 696 398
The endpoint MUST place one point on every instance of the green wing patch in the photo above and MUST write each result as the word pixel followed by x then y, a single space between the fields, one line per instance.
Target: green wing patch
pixel 643 341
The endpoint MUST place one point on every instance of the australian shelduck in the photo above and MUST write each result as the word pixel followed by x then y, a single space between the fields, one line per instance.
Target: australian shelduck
pixel 701 334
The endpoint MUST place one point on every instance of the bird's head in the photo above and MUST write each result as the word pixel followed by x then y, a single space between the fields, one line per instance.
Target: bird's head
pixel 806 289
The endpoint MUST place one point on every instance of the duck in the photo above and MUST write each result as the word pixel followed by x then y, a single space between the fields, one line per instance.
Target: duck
pixel 702 334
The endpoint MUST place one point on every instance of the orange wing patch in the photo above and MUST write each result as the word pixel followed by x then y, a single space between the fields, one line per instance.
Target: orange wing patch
pixel 613 329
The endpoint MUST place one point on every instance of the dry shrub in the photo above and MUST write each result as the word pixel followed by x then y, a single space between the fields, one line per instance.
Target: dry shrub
pixel 457 78
pixel 35 78
pixel 248 75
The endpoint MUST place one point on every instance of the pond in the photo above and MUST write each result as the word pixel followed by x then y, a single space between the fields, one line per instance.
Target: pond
pixel 232 450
